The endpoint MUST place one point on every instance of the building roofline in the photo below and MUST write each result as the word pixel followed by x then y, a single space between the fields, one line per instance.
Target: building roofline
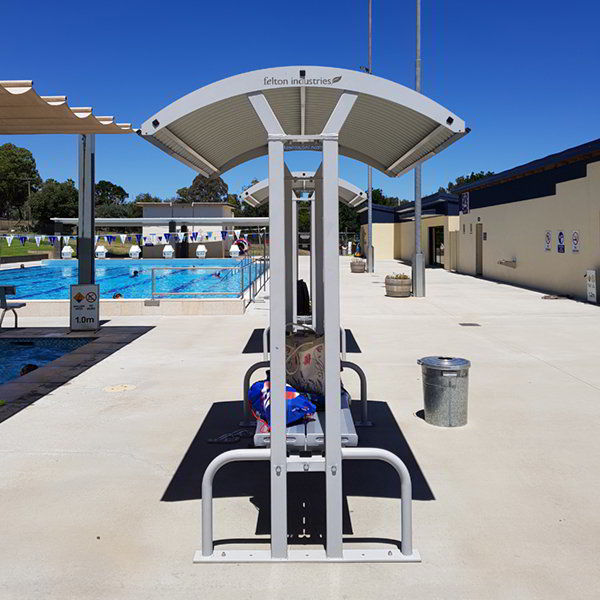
pixel 183 204
pixel 552 161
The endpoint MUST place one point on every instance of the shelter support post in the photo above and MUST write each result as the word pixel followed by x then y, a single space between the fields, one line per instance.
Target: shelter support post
pixel 85 243
pixel 295 271
pixel 317 295
pixel 313 296
pixel 278 216
pixel 331 307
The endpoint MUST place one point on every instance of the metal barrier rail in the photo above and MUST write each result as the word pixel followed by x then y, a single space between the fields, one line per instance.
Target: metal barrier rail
pixel 303 465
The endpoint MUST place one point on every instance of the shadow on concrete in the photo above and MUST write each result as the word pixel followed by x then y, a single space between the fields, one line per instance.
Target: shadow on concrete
pixel 254 345
pixel 306 491
pixel 21 392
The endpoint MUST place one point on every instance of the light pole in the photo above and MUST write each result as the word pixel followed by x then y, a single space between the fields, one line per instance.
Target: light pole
pixel 418 266
pixel 370 265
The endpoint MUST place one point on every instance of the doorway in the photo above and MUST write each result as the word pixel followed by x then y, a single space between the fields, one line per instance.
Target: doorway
pixel 436 246
pixel 479 250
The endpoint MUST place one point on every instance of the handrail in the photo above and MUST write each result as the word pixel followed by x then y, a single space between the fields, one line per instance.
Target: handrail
pixel 247 264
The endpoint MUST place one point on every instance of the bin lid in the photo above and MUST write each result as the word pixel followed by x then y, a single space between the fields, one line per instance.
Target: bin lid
pixel 445 363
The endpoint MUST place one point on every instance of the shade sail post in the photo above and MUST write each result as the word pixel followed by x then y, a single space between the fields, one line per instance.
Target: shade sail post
pixel 85 243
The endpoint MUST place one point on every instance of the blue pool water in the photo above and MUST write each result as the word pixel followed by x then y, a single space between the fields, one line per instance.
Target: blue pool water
pixel 16 352
pixel 53 278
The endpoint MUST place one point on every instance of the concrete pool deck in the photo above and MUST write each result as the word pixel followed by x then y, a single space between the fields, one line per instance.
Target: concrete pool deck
pixel 515 509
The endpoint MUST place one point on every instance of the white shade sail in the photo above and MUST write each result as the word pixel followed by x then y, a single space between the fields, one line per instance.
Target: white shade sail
pixel 23 111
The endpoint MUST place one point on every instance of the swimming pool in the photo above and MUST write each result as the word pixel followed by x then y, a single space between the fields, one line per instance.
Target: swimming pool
pixel 17 352
pixel 215 278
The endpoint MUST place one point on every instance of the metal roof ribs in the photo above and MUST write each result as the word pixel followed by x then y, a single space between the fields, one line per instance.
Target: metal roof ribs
pixel 417 147
pixel 210 168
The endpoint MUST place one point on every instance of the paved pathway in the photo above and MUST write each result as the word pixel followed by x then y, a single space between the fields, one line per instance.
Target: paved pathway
pixel 515 514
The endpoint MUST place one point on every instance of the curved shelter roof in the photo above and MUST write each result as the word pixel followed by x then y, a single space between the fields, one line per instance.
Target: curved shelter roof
pixel 304 182
pixel 23 111
pixel 390 127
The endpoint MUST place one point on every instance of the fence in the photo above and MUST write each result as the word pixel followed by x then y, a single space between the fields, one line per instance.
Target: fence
pixel 254 274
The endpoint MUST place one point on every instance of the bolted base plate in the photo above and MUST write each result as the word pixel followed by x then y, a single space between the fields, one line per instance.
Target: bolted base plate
pixel 354 555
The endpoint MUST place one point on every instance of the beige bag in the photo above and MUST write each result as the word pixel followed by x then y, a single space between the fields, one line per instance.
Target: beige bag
pixel 304 367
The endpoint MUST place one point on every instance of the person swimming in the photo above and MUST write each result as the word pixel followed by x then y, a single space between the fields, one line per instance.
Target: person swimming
pixel 27 368
pixel 135 273
pixel 217 274
pixel 117 296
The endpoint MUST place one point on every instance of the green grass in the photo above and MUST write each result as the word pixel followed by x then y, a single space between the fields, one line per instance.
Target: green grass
pixel 16 249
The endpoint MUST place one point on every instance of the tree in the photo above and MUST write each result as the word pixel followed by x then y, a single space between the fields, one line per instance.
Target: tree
pixel 147 197
pixel 17 170
pixel 464 179
pixel 109 193
pixel 113 211
pixel 204 189
pixel 54 199
pixel 380 198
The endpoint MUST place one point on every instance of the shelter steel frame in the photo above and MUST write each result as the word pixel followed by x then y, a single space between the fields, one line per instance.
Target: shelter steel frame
pixel 327 319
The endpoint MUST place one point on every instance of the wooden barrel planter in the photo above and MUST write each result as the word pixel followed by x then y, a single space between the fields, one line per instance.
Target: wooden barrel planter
pixel 398 288
pixel 357 266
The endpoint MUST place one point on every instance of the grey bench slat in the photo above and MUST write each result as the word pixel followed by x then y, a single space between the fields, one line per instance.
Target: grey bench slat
pixel 295 436
pixel 315 436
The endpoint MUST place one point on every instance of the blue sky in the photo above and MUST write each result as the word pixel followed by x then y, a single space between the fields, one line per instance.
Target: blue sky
pixel 523 75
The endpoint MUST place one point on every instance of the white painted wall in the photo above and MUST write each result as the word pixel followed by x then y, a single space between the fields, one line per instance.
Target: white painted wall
pixel 517 230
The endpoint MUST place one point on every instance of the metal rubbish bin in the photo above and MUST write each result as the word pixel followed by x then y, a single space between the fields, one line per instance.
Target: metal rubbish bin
pixel 445 390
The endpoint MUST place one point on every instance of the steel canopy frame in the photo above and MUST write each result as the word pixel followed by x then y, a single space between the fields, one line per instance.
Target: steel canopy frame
pixel 304 182
pixel 335 111
pixel 386 130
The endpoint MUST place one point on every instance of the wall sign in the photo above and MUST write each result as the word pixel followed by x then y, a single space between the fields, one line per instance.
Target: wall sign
pixel 591 289
pixel 548 241
pixel 575 242
pixel 85 307
pixel 465 203
pixel 560 242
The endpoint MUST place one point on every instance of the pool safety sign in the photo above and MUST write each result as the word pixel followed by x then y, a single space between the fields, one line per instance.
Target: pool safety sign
pixel 560 242
pixel 591 280
pixel 85 307
pixel 575 242
pixel 548 241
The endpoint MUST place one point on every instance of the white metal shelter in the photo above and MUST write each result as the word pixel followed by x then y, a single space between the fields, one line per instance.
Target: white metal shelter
pixel 303 185
pixel 303 182
pixel 333 111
